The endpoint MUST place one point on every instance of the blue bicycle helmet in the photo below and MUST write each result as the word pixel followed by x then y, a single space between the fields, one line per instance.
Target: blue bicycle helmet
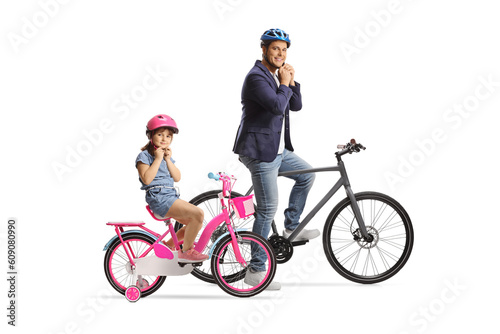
pixel 274 35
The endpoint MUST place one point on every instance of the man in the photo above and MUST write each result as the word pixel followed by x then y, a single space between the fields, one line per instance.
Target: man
pixel 263 141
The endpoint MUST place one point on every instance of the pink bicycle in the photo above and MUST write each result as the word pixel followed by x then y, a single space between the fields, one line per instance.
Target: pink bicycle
pixel 136 262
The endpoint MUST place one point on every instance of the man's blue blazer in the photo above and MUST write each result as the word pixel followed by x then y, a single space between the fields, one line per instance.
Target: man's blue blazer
pixel 265 107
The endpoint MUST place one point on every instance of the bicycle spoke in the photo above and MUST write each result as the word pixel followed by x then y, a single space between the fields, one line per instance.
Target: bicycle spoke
pixel 391 226
pixel 384 260
pixel 368 260
pixel 213 212
pixel 346 222
pixel 122 276
pixel 119 264
pixel 378 214
pixel 388 220
pixel 121 255
pixel 341 228
pixel 388 254
pixel 340 240
pixel 346 259
pixel 340 249
pixel 395 236
pixel 353 266
pixel 393 244
pixel 230 273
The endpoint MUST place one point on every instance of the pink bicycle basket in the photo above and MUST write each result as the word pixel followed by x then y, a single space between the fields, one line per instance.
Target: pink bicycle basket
pixel 243 206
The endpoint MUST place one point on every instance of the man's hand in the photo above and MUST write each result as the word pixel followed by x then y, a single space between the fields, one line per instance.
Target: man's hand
pixel 290 68
pixel 284 75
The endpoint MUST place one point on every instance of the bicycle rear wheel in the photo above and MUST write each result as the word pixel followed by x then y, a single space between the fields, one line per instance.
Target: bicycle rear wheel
pixel 118 269
pixel 361 261
pixel 230 274
pixel 209 202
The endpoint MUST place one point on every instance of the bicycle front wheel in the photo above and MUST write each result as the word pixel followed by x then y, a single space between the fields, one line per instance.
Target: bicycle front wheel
pixel 209 202
pixel 230 274
pixel 390 245
pixel 118 269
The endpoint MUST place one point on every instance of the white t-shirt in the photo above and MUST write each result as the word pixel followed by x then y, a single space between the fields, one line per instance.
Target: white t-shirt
pixel 281 148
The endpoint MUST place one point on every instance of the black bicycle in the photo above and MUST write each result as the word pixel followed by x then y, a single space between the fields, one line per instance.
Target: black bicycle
pixel 367 237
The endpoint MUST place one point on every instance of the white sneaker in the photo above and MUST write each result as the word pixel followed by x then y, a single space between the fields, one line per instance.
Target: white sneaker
pixel 303 235
pixel 253 278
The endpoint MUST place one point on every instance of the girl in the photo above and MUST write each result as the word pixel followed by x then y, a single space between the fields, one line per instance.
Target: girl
pixel 157 173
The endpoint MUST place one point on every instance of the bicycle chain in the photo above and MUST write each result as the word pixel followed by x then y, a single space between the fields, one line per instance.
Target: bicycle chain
pixel 283 249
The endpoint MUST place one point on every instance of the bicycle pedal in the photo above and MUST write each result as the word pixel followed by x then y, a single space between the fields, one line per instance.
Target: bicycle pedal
pixel 299 243
pixel 195 264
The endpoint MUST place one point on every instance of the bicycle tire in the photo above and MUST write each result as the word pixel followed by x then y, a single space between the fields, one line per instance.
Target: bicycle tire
pixel 344 249
pixel 210 204
pixel 116 262
pixel 229 274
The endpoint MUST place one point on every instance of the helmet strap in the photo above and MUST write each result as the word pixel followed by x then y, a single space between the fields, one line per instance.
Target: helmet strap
pixel 151 139
pixel 153 144
pixel 267 61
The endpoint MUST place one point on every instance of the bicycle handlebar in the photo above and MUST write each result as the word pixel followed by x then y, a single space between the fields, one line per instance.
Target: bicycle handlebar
pixel 213 176
pixel 227 182
pixel 350 147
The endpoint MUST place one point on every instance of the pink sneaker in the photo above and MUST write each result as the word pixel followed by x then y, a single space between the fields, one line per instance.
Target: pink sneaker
pixel 191 256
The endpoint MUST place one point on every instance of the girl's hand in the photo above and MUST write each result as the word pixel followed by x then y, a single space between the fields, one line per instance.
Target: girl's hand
pixel 168 154
pixel 174 171
pixel 159 153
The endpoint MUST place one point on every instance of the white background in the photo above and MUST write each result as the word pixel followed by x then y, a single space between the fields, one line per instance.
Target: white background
pixel 65 69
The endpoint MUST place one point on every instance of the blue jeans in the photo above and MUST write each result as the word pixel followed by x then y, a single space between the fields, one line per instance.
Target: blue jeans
pixel 264 179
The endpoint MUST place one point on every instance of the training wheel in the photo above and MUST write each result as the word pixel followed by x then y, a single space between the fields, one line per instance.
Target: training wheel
pixel 144 284
pixel 133 293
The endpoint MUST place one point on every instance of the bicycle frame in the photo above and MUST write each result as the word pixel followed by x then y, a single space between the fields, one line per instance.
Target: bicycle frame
pixel 203 240
pixel 342 181
pixel 159 237
pixel 210 228
pixel 217 220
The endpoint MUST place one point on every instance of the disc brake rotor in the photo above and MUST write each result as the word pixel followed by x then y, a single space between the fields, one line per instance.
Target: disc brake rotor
pixel 367 244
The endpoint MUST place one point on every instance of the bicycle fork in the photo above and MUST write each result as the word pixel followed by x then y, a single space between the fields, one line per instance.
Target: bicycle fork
pixel 354 203
pixel 236 247
pixel 357 214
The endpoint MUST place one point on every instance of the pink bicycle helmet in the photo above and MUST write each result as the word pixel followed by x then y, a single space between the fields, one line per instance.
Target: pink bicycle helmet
pixel 160 121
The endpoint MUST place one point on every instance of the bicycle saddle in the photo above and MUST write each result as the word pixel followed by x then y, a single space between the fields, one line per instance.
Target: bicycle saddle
pixel 156 216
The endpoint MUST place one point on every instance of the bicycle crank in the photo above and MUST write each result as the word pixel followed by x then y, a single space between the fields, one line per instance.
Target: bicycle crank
pixel 283 249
